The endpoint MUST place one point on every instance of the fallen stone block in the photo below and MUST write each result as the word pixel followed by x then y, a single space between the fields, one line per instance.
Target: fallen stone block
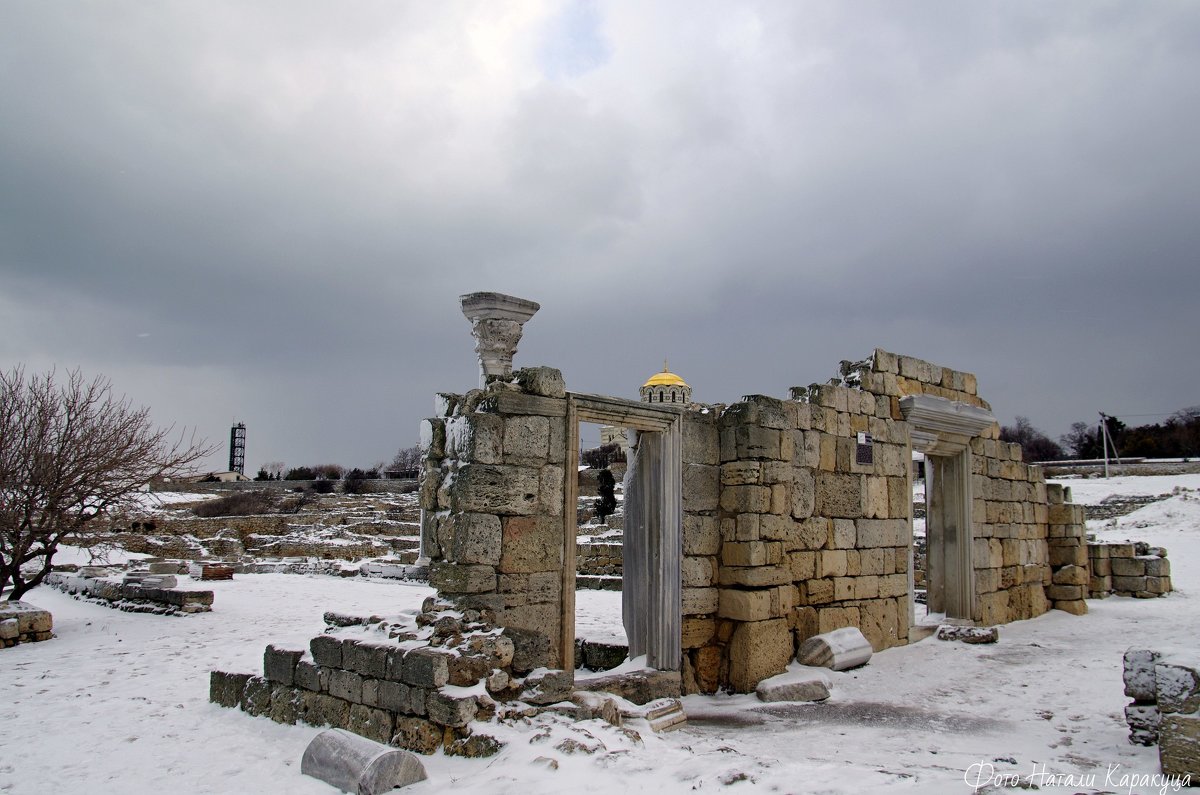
pixel 810 684
pixel 1143 720
pixel 1177 685
pixel 548 687
pixel 968 634
pixel 1139 674
pixel 355 764
pixel 1179 746
pixel 838 650
pixel 665 714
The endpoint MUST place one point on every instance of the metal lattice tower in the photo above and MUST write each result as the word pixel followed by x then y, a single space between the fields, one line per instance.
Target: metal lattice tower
pixel 237 448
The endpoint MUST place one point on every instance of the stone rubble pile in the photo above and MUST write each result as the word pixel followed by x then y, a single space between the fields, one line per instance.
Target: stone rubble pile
pixel 1165 688
pixel 21 622
pixel 1130 569
pixel 423 685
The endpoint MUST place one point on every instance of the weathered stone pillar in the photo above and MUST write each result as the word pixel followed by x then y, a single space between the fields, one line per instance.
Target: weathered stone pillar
pixel 496 323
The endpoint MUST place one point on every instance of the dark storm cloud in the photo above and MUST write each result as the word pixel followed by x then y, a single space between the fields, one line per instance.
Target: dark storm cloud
pixel 267 213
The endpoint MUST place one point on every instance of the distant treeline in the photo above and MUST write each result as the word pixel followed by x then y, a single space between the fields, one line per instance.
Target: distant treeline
pixel 1176 437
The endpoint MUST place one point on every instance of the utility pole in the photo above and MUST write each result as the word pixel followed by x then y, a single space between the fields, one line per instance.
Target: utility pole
pixel 1106 441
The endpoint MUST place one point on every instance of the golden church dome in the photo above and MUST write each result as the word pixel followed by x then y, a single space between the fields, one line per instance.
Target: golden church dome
pixel 665 378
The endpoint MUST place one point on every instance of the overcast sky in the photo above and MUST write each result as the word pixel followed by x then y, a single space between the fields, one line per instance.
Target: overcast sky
pixel 266 211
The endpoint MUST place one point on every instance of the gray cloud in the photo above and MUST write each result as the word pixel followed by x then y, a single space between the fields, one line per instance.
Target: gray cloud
pixel 267 213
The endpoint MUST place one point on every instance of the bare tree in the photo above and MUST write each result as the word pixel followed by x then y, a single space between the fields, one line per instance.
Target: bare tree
pixel 407 459
pixel 275 469
pixel 69 454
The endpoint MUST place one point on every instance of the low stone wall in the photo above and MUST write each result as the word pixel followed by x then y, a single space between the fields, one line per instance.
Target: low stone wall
pixel 1137 569
pixel 21 622
pixel 1165 688
pixel 418 686
pixel 132 597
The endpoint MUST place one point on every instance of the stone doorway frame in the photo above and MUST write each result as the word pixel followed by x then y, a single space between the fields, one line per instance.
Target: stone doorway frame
pixel 662 620
pixel 942 429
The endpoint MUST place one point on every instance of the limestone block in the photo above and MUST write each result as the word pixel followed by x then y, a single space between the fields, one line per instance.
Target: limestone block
pixel 697 632
pixel 326 651
pixel 1177 685
pixel 742 605
pixel 1144 721
pixel 279 665
pixel 699 601
pixel 1157 567
pixel 367 659
pixel 418 734
pixel 701 535
pixel 838 650
pixel 1139 668
pixel 751 553
pixel 803 493
pixel 453 578
pixel 1158 585
pixel 803 685
pixel 746 499
pixel 488 488
pixel 534 588
pixel 475 538
pixel 866 587
pixel 1073 555
pixel 526 440
pixel 701 487
pixel 802 564
pixel 754 576
pixel 697 572
pixel 547 687
pixel 701 440
pixel 393 696
pixel 225 689
pixel 812 534
pixel 1065 593
pixel 433 438
pixel 819 591
pixel 1128 585
pixel 839 495
pixel 741 473
pixel 345 685
pixel 1129 567
pixel 475 437
pixel 1179 746
pixel 448 710
pixel 531 649
pixel 256 697
pixel 351 763
pixel 872 533
pixel 531 543
pixel 1071 575
pixel 550 496
pixel 427 668
pixel 831 563
pixel 757 650
pixel 10 629
pixel 542 381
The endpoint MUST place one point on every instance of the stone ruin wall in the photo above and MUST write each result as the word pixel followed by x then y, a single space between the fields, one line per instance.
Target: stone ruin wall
pixel 784 534
pixel 492 491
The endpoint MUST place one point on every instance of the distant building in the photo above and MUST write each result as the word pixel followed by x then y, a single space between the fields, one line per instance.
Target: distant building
pixel 662 387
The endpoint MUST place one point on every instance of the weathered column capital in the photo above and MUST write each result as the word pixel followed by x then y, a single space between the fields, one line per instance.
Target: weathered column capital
pixel 496 323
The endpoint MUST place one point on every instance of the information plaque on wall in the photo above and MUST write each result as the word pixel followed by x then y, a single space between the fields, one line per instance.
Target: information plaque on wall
pixel 864 451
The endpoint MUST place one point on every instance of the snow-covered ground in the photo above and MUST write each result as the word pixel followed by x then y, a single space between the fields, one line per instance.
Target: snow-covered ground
pixel 117 702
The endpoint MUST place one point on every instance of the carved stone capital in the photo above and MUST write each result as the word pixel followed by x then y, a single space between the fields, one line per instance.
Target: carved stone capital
pixel 496 323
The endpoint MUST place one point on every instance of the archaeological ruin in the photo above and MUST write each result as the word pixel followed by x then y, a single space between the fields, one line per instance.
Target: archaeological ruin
pixel 747 530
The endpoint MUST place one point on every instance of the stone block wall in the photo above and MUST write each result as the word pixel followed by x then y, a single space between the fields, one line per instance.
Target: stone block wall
pixel 1165 688
pixel 1131 569
pixel 492 493
pixel 132 597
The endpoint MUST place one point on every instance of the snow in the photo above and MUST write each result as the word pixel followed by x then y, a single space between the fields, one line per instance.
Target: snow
pixel 119 701
pixel 1093 491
